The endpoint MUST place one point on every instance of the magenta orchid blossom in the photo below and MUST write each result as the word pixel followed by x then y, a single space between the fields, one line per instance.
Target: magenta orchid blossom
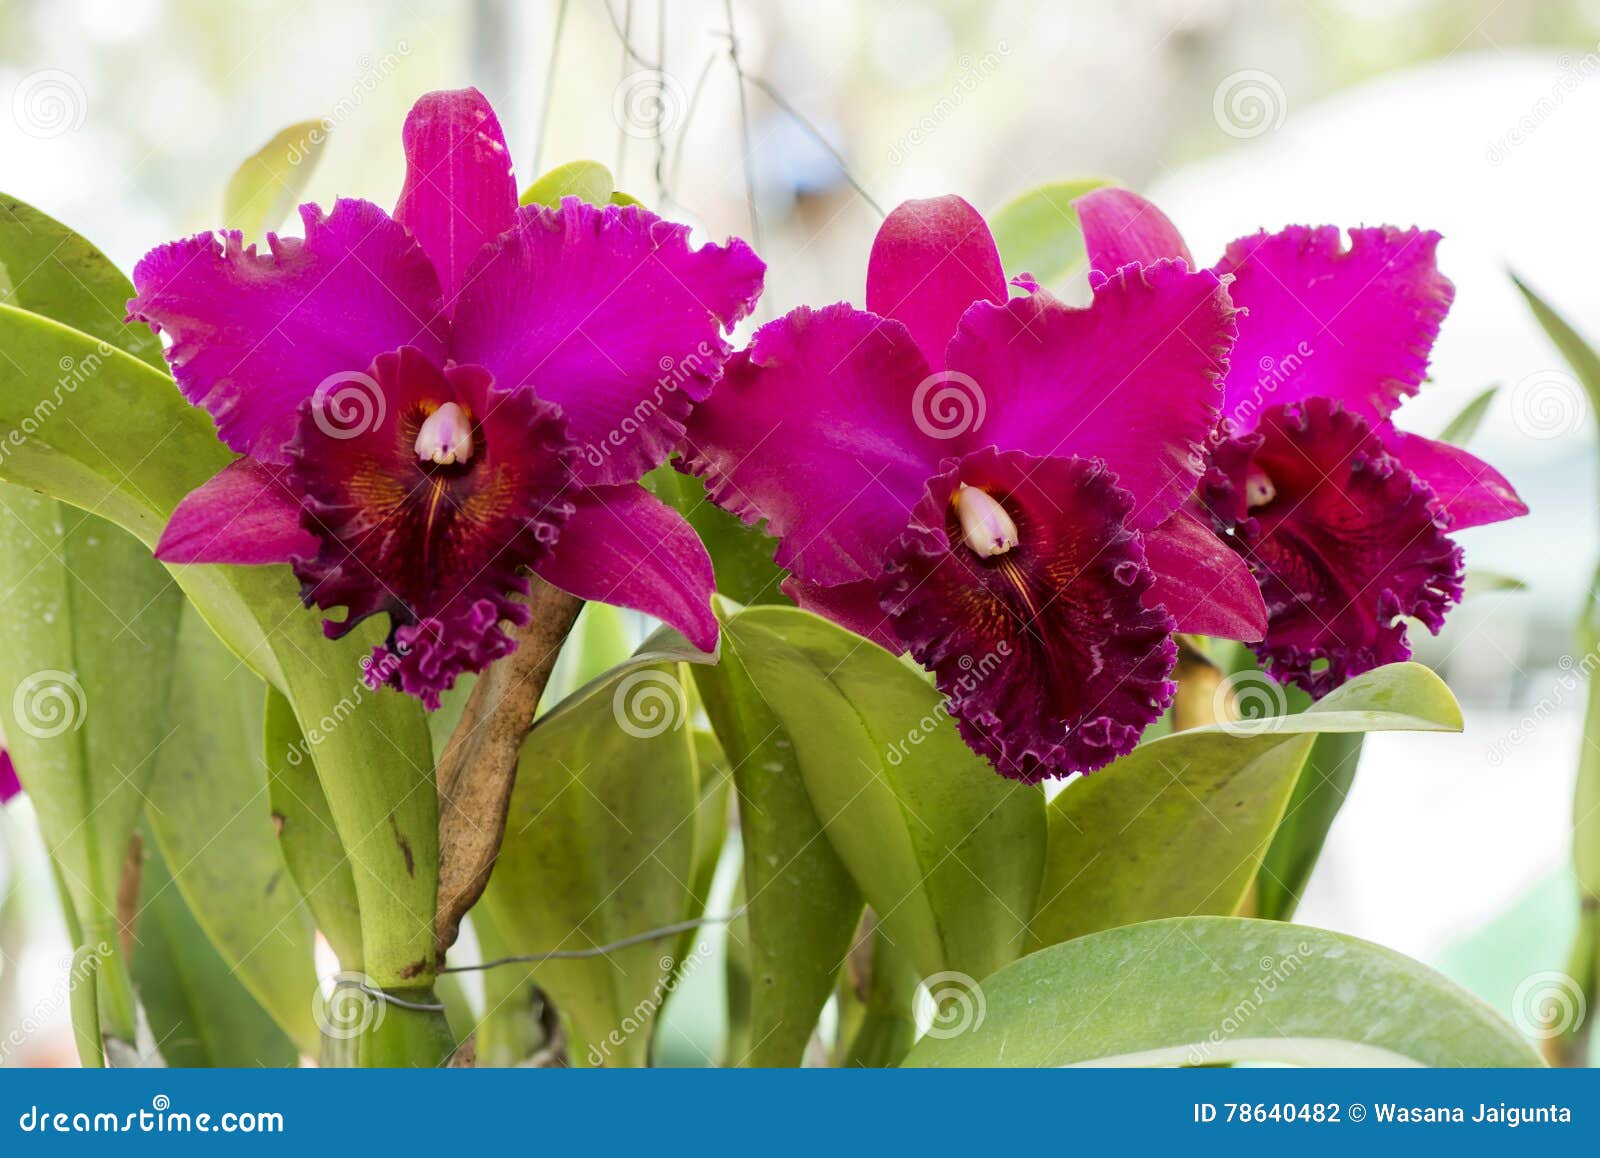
pixel 1344 519
pixel 994 483
pixel 433 402
pixel 10 786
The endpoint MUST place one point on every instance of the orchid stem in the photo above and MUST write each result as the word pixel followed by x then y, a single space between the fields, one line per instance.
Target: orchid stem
pixel 1201 698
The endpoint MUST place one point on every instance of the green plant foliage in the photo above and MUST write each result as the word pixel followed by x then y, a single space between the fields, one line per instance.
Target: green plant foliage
pixel 587 180
pixel 1213 990
pixel 1037 231
pixel 600 845
pixel 273 179
pixel 1179 825
pixel 1460 429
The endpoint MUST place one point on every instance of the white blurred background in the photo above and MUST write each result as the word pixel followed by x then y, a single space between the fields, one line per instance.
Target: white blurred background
pixel 1479 118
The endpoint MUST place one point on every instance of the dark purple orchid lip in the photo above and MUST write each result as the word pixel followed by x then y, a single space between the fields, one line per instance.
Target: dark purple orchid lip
pixel 1346 543
pixel 1044 573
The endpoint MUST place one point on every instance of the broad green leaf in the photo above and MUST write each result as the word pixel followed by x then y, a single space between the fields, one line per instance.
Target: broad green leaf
pixel 588 180
pixel 1319 793
pixel 1179 826
pixel 112 435
pixel 946 851
pixel 47 269
pixel 1460 429
pixel 1037 231
pixel 600 846
pixel 199 1012
pixel 273 179
pixel 510 1030
pixel 713 780
pixel 86 648
pixel 1580 355
pixel 1213 990
pixel 312 850
pixel 800 904
pixel 209 810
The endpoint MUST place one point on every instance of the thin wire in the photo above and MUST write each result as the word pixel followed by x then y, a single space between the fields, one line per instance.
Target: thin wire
pixel 602 950
pixel 744 131
pixel 627 51
pixel 420 1006
pixel 661 83
pixel 549 85
pixel 816 135
pixel 688 119
pixel 622 35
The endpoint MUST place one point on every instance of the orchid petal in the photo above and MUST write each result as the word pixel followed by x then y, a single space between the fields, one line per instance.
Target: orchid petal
pixel 930 261
pixel 815 429
pixel 460 193
pixel 624 546
pixel 245 514
pixel 254 335
pixel 609 313
pixel 1470 491
pixel 1201 582
pixel 1354 325
pixel 1120 227
pixel 1134 380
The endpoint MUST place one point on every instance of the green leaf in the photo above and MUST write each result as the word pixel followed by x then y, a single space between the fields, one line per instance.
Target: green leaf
pixel 1037 231
pixel 199 1012
pixel 88 643
pixel 1212 990
pixel 208 809
pixel 312 850
pixel 1179 826
pixel 273 179
pixel 946 851
pixel 800 903
pixel 1460 429
pixel 1482 582
pixel 741 555
pixel 1579 354
pixel 49 270
pixel 588 180
pixel 600 846
pixel 1319 793
pixel 95 427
